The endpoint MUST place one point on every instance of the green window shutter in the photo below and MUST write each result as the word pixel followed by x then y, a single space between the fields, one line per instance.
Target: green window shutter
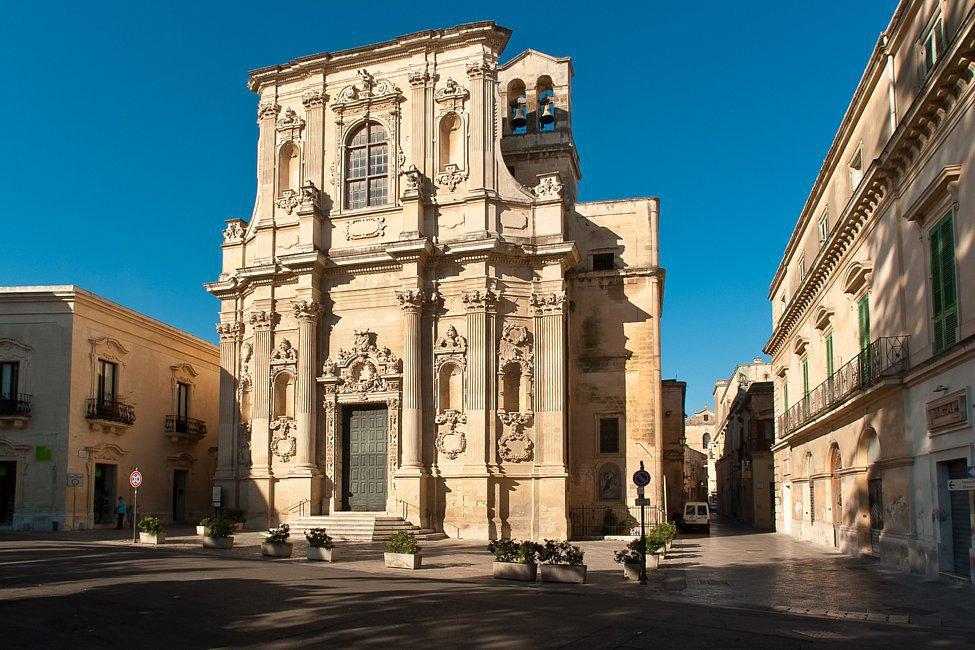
pixel 944 299
pixel 863 319
pixel 829 355
pixel 785 394
pixel 805 378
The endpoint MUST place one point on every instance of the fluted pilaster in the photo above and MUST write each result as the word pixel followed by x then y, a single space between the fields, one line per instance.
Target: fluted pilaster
pixel 481 306
pixel 262 322
pixel 307 314
pixel 230 336
pixel 411 301
pixel 550 384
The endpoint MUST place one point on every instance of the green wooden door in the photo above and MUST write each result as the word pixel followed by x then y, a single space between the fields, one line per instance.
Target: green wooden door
pixel 364 458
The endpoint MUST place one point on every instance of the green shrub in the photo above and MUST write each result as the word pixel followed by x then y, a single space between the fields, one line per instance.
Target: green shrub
pixel 220 528
pixel 318 538
pixel 631 554
pixel 236 516
pixel 509 550
pixel 402 542
pixel 278 535
pixel 206 521
pixel 668 530
pixel 152 525
pixel 560 552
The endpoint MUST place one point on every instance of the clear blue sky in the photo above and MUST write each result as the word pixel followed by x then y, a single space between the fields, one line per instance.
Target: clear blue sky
pixel 128 137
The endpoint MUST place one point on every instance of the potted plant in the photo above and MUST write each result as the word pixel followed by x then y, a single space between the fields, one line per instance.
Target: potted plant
pixel 201 528
pixel 319 545
pixel 218 534
pixel 514 560
pixel 238 517
pixel 657 540
pixel 630 558
pixel 152 530
pixel 276 543
pixel 670 532
pixel 562 562
pixel 402 551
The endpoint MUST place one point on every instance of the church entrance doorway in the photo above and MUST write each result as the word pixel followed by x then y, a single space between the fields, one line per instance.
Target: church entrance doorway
pixel 364 458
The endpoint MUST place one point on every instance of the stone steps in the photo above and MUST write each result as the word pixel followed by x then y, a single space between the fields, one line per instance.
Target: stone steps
pixel 361 527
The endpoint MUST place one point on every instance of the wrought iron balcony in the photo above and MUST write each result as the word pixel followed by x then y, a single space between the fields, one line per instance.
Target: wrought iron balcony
pixel 110 411
pixel 15 405
pixel 188 429
pixel 883 359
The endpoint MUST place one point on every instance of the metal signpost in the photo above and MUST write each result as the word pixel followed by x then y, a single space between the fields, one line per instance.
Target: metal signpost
pixel 135 480
pixel 641 478
pixel 74 482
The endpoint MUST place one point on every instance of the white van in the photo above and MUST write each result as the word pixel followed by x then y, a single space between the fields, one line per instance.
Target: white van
pixel 696 515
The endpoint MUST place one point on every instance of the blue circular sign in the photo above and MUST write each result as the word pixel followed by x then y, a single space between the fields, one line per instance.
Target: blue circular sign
pixel 641 478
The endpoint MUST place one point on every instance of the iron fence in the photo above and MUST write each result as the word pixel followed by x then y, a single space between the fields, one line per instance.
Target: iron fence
pixel 600 521
pixel 110 410
pixel 15 404
pixel 189 426
pixel 884 358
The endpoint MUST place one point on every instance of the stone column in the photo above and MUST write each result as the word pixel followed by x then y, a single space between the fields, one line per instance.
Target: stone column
pixel 411 302
pixel 267 115
pixel 481 308
pixel 419 79
pixel 482 79
pixel 307 314
pixel 261 322
pixel 314 103
pixel 230 335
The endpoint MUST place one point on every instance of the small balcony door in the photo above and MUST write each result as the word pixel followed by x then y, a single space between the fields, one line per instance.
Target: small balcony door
pixel 182 406
pixel 107 381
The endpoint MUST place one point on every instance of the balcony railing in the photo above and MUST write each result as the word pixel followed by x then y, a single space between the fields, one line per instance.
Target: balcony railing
pixel 884 358
pixel 110 411
pixel 178 426
pixel 15 405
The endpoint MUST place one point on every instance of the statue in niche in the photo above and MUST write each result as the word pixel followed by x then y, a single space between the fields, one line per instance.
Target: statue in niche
pixel 610 487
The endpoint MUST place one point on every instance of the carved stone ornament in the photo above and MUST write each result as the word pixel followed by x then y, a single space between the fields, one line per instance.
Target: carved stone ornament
pixel 268 111
pixel 516 347
pixel 480 70
pixel 244 444
pixel 262 320
pixel 450 343
pixel 412 179
pixel 234 231
pixel 283 444
pixel 364 369
pixel 410 299
pixel 451 440
pixel 451 176
pixel 419 78
pixel 368 89
pixel 514 445
pixel 478 299
pixel 547 303
pixel 284 353
pixel 230 331
pixel 452 95
pixel 314 99
pixel 549 187
pixel 307 196
pixel 306 311
pixel 365 228
pixel 290 121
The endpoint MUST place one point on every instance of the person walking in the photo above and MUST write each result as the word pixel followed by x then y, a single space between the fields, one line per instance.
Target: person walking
pixel 120 511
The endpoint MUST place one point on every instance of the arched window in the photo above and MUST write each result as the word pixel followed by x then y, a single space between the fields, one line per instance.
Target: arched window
pixel 706 440
pixel 451 388
pixel 517 107
pixel 367 167
pixel 289 176
pixel 546 104
pixel 451 142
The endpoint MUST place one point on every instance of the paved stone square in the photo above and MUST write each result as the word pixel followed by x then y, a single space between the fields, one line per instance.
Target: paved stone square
pixel 731 589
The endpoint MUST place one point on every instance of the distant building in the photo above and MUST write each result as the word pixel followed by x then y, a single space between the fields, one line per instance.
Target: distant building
pixel 90 390
pixel 873 310
pixel 745 432
pixel 674 393
pixel 699 430
pixel 695 475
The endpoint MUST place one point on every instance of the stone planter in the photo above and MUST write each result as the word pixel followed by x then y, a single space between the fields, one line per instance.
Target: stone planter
pixel 653 561
pixel 201 530
pixel 277 550
pixel 515 571
pixel 564 573
pixel 402 560
pixel 320 554
pixel 631 571
pixel 152 538
pixel 218 542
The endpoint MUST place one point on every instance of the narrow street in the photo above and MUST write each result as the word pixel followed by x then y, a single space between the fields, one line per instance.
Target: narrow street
pixel 726 590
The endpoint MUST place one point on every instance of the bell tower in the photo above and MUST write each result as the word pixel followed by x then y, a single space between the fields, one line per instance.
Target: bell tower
pixel 536 119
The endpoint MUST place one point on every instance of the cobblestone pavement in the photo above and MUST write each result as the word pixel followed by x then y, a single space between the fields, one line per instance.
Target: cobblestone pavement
pixel 735 588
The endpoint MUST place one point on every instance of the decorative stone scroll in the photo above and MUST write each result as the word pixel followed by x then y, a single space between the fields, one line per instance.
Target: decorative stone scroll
pixel 285 353
pixel 234 231
pixel 290 121
pixel 451 177
pixel 306 197
pixel 365 228
pixel 283 443
pixel 368 90
pixel 364 369
pixel 306 311
pixel 452 95
pixel 268 111
pixel 516 347
pixel 549 187
pixel 410 299
pixel 450 343
pixel 451 440
pixel 514 445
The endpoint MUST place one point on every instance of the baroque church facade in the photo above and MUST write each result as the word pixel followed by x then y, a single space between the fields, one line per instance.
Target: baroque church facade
pixel 420 318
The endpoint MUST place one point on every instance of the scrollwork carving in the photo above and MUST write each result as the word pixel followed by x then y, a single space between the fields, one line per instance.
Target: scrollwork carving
pixel 283 444
pixel 284 353
pixel 451 177
pixel 450 343
pixel 547 303
pixel 410 299
pixel 451 440
pixel 515 445
pixel 549 187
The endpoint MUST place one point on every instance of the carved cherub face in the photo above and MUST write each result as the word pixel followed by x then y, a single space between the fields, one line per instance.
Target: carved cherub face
pixel 452 332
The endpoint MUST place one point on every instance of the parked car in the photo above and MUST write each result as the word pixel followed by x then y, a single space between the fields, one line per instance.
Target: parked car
pixel 696 516
pixel 713 506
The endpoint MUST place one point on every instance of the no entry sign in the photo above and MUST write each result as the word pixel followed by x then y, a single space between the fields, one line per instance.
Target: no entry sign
pixel 135 479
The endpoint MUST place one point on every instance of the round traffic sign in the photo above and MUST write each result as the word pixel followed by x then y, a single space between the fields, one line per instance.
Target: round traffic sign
pixel 135 478
pixel 641 478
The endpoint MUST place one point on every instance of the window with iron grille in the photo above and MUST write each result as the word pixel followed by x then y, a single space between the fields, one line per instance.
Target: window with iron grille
pixel 609 435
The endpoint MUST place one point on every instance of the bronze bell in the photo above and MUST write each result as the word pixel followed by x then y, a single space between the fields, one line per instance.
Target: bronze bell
pixel 520 118
pixel 547 114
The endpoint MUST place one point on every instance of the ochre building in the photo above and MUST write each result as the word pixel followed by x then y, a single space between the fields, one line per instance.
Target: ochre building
pixel 420 319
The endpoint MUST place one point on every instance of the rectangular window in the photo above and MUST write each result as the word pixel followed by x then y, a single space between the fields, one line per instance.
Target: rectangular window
pixel 805 377
pixel 9 374
pixel 182 400
pixel 932 45
pixel 603 261
pixel 943 283
pixel 856 170
pixel 107 381
pixel 829 354
pixel 609 435
pixel 823 228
